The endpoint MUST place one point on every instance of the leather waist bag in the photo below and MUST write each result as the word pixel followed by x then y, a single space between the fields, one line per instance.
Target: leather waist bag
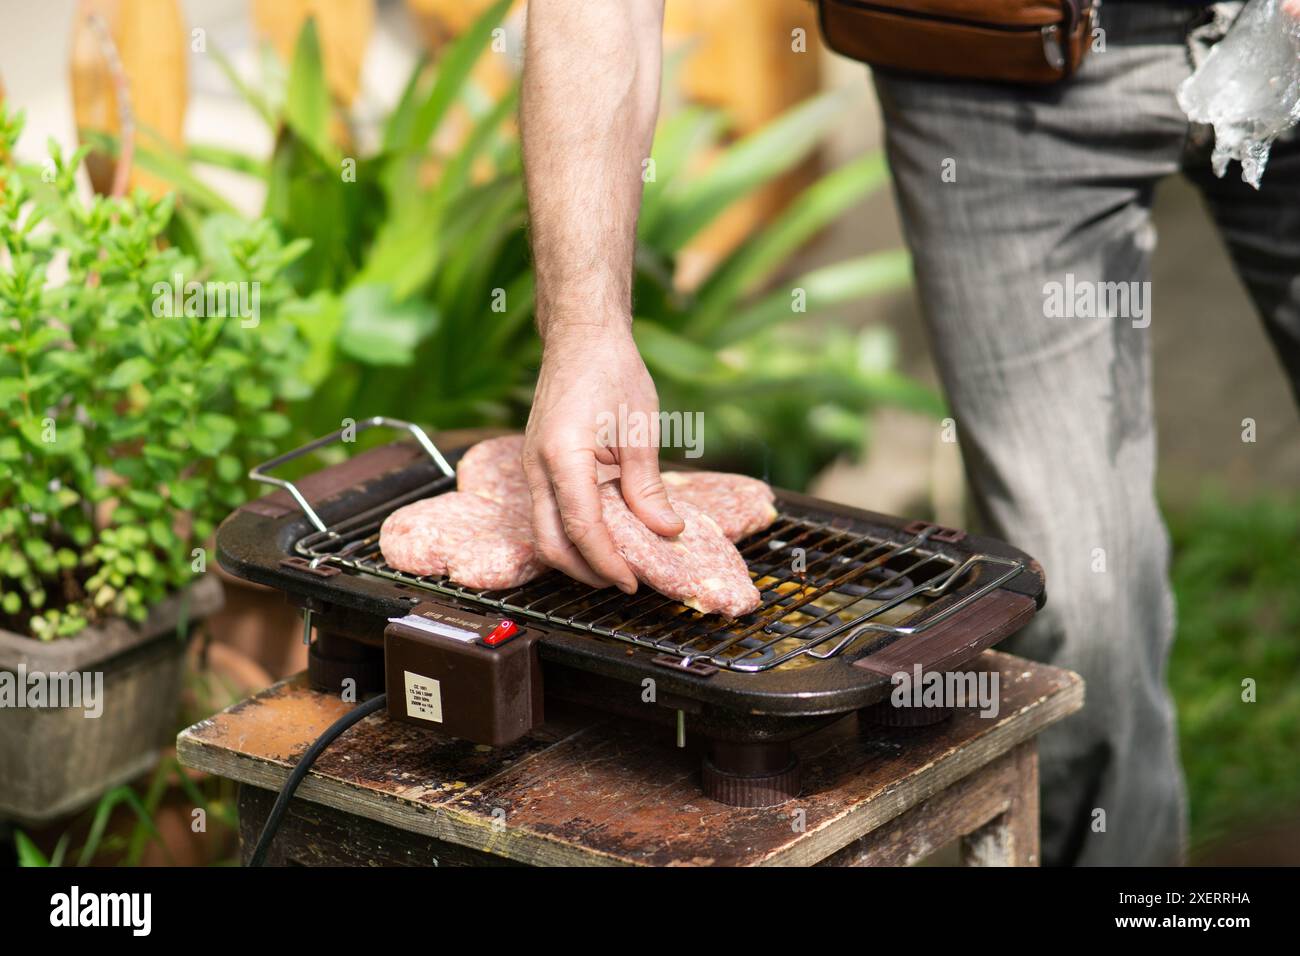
pixel 1012 41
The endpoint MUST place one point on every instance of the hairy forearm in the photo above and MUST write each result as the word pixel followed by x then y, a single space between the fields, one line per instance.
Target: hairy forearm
pixel 590 97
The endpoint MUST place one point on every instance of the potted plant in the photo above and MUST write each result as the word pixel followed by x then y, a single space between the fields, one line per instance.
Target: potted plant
pixel 137 379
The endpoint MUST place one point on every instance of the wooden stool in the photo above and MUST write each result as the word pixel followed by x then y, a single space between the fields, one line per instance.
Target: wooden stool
pixel 588 789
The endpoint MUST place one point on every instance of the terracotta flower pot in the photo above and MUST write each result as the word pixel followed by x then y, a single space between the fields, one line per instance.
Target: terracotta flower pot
pixel 258 622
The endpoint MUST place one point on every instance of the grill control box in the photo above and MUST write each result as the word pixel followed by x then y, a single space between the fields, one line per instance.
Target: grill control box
pixel 473 676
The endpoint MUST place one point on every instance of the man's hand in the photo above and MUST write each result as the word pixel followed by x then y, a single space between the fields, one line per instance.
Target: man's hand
pixel 588 108
pixel 587 373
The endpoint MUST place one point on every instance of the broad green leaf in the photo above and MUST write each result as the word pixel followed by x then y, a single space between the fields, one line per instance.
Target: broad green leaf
pixel 457 172
pixel 397 129
pixel 318 320
pixel 307 105
pixel 895 388
pixel 212 433
pixel 273 425
pixel 837 424
pixel 744 166
pixel 520 298
pixel 104 811
pixel 874 274
pixel 11 389
pixel 253 394
pixel 473 252
pixel 154 155
pixel 132 370
pixel 405 254
pixel 377 331
pixel 152 800
pixel 453 70
pixel 229 468
pixel 60 850
pixel 29 853
pixel 763 253
pixel 142 497
pixel 226 158
pixel 670 354
pixel 679 138
pixel 187 492
pixel 10 449
pixel 52 439
pixel 830 365
pixel 162 455
pixel 309 200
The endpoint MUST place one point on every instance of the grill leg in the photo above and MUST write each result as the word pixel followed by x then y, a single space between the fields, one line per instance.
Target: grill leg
pixel 750 775
pixel 885 714
pixel 332 658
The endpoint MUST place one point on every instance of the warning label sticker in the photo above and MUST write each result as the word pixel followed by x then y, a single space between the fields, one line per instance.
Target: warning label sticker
pixel 423 697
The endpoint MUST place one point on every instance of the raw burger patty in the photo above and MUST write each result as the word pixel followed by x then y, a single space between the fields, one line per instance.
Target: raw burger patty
pixel 494 468
pixel 739 504
pixel 476 542
pixel 699 567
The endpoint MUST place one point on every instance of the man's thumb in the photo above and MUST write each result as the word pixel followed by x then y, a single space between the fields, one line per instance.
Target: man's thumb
pixel 643 490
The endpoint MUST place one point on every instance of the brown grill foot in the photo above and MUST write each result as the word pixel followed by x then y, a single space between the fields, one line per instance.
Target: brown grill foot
pixel 751 775
pixel 885 714
pixel 332 659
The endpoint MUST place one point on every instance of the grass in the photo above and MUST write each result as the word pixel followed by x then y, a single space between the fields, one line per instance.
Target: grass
pixel 1236 576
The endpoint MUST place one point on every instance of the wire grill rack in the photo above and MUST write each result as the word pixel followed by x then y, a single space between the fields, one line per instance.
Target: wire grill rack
pixel 826 588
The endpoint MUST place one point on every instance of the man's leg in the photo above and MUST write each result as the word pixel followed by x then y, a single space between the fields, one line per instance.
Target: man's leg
pixel 1054 413
pixel 1262 232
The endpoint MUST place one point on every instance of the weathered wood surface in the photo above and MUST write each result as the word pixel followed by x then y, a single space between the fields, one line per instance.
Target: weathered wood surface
pixel 587 790
pixel 1011 838
pixel 993 810
pixel 314 835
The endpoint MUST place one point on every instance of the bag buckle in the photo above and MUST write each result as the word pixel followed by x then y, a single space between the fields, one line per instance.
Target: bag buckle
pixel 1053 49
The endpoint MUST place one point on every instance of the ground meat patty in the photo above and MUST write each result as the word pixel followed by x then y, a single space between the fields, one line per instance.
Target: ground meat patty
pixel 476 542
pixel 739 504
pixel 699 567
pixel 494 468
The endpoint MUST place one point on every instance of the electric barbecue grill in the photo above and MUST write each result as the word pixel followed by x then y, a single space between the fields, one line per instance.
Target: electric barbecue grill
pixel 849 599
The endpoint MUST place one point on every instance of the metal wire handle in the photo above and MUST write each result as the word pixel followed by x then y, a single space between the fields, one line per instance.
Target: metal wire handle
pixel 259 473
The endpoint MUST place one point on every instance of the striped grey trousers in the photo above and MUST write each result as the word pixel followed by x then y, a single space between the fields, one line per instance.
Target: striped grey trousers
pixel 1015 203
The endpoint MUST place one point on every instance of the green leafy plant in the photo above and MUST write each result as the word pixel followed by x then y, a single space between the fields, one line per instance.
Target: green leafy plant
pixel 131 391
pixel 421 297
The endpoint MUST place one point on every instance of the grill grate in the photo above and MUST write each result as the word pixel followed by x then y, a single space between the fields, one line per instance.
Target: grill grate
pixel 825 587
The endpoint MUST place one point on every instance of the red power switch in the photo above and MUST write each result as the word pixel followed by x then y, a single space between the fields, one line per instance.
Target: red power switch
pixel 501 633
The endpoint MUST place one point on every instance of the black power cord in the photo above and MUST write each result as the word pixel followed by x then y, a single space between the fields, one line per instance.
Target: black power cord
pixel 300 771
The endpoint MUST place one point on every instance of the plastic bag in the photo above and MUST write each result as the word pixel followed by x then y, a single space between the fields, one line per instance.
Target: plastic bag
pixel 1248 88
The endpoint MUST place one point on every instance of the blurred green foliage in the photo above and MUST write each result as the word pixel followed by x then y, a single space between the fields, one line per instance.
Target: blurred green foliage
pixel 1235 571
pixel 420 287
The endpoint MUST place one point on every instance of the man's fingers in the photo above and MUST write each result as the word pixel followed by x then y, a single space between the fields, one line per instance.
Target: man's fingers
pixel 573 481
pixel 643 490
pixel 552 544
